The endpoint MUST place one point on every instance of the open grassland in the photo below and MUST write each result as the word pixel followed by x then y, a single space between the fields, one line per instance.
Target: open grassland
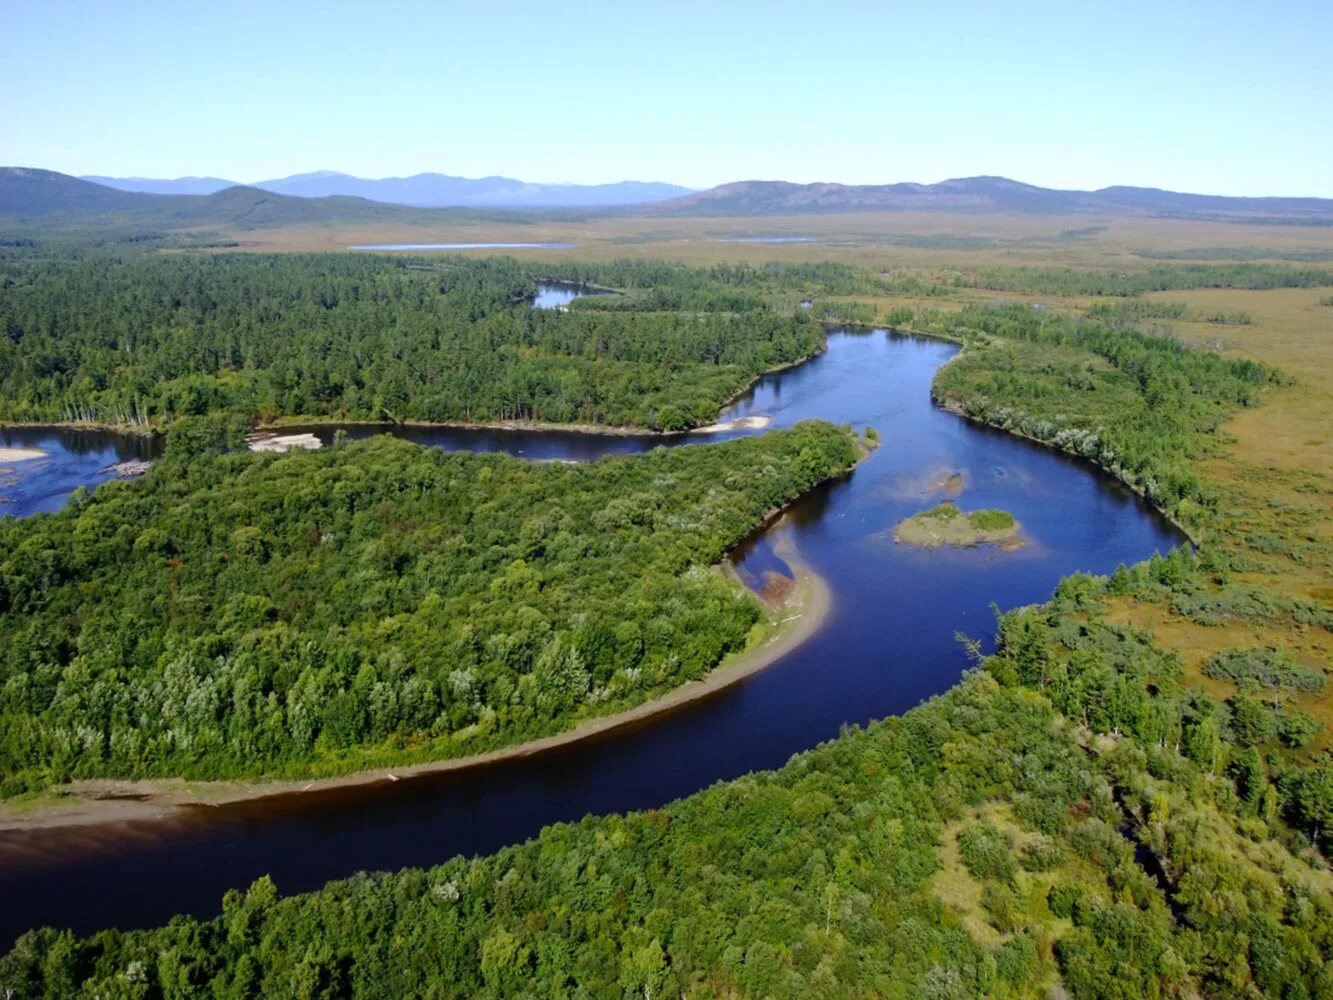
pixel 1276 478
pixel 887 240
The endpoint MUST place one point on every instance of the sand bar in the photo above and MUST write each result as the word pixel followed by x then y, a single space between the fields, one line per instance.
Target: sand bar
pixel 20 454
pixel 286 442
pixel 739 424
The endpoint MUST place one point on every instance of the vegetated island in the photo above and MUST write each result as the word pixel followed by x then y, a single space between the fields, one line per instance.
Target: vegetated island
pixel 947 525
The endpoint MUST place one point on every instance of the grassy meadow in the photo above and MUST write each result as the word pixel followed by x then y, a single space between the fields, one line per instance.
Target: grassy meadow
pixel 875 240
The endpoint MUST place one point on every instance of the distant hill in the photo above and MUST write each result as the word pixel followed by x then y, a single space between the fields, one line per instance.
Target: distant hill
pixel 44 197
pixel 148 185
pixel 29 193
pixel 426 190
pixel 987 194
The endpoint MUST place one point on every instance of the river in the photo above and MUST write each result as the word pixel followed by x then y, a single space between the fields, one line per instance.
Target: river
pixel 888 643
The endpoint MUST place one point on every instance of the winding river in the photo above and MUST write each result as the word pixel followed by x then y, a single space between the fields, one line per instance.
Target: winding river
pixel 887 645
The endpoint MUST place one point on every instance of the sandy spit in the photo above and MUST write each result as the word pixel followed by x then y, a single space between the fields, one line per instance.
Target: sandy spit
pixel 285 442
pixel 739 424
pixel 20 454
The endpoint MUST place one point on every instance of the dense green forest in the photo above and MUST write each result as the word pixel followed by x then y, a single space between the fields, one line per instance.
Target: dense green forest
pixel 1071 808
pixel 144 339
pixel 238 614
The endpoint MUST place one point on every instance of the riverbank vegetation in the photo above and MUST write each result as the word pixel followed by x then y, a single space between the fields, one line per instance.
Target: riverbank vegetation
pixel 379 602
pixel 1133 797
pixel 1146 408
pixel 945 524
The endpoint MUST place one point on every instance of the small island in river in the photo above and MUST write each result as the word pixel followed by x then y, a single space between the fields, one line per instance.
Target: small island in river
pixel 947 525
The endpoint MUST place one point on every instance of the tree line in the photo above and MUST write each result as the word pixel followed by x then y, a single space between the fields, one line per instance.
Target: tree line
pixel 143 340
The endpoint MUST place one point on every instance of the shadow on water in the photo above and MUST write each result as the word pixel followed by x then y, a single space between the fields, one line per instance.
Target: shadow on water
pixel 887 645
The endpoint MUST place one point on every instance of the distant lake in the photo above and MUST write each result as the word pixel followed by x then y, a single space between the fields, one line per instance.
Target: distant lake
pixel 769 239
pixel 554 294
pixel 463 246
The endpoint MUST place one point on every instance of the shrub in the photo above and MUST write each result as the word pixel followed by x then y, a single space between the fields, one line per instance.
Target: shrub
pixel 1042 854
pixel 992 520
pixel 1267 666
pixel 1061 899
pixel 987 852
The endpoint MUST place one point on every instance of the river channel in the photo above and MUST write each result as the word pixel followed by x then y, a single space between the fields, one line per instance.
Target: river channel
pixel 888 643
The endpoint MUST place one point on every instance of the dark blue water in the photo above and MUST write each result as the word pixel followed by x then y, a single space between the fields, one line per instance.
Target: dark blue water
pixel 888 644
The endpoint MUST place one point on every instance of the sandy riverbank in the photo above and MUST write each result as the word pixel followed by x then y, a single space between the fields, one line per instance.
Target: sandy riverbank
pixel 20 454
pixel 739 424
pixel 284 442
pixel 803 609
pixel 274 429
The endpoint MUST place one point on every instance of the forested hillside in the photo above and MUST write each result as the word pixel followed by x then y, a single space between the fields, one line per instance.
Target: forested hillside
pixel 379 602
pixel 143 340
pixel 987 194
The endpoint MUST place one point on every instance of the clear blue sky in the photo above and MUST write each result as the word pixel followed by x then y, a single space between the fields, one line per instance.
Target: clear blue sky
pixel 1219 97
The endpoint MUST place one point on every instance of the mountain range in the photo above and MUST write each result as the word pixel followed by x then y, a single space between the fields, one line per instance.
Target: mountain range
pixel 43 197
pixel 987 194
pixel 422 190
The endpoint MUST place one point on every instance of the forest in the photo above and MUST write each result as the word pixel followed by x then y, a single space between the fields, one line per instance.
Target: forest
pixel 378 602
pixel 139 340
pixel 1087 811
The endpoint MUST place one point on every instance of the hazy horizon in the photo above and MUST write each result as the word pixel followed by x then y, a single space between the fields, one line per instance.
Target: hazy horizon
pixel 333 172
pixel 642 180
pixel 687 93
